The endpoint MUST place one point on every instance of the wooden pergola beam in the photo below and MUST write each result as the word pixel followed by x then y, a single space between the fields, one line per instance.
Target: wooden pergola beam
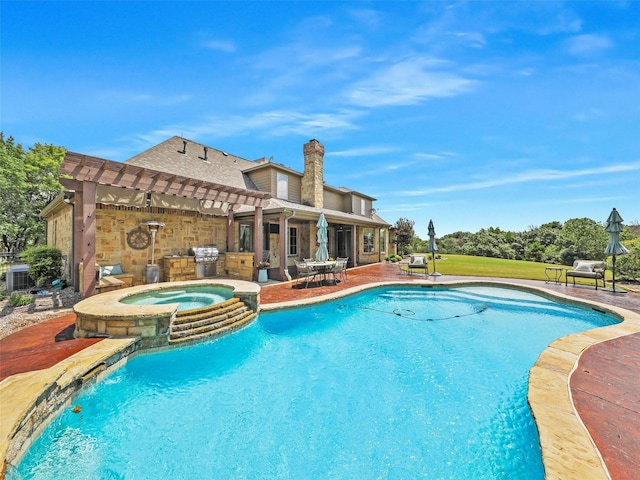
pixel 84 168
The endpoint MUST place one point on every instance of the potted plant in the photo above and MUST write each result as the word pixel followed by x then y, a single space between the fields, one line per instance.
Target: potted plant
pixel 262 271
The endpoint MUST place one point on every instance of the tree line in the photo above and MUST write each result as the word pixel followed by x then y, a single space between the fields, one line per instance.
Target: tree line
pixel 553 242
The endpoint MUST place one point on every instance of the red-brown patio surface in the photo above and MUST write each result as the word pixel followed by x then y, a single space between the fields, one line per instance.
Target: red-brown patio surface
pixel 40 346
pixel 605 385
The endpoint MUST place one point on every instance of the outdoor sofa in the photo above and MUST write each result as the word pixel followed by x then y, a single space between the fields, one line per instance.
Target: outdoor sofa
pixel 586 269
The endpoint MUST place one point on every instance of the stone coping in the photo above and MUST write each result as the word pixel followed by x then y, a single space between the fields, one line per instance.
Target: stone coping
pixel 108 305
pixel 568 452
pixel 31 400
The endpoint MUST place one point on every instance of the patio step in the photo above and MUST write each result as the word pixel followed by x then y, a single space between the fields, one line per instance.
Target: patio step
pixel 210 322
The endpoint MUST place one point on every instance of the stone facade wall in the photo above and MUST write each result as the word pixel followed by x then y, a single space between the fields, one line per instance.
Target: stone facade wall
pixel 313 179
pixel 182 231
pixel 239 265
pixel 60 235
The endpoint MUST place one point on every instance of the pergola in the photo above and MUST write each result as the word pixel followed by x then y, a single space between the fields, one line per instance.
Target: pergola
pixel 88 172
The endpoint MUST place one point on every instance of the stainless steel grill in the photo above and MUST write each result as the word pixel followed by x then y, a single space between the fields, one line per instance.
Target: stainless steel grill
pixel 205 254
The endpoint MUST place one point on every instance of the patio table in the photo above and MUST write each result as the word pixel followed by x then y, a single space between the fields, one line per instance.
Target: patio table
pixel 324 269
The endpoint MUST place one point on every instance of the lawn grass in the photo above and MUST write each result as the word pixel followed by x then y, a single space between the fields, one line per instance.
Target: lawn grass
pixel 470 266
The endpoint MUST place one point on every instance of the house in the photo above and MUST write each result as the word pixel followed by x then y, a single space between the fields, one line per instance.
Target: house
pixel 182 194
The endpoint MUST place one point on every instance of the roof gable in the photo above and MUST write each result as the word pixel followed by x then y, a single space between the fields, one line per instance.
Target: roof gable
pixel 194 160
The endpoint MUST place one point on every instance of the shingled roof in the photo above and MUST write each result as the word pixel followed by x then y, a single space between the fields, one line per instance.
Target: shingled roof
pixel 191 159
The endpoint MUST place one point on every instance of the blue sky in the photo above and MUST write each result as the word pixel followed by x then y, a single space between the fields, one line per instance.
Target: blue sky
pixel 473 114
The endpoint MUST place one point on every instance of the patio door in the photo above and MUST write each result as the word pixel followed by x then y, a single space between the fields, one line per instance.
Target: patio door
pixel 343 243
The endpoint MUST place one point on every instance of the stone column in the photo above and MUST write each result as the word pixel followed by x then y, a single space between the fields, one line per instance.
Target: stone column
pixel 312 178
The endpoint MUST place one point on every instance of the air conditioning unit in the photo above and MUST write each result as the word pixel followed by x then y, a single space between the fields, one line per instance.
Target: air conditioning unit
pixel 18 278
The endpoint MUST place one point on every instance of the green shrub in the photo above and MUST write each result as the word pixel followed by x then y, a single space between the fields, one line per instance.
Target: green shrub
pixel 45 263
pixel 20 300
pixel 628 266
pixel 4 295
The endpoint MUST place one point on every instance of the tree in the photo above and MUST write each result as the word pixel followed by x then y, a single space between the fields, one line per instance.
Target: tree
pixel 28 182
pixel 628 266
pixel 453 242
pixel 404 234
pixel 490 243
pixel 582 238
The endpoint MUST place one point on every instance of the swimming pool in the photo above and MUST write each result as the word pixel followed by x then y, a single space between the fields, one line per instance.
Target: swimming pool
pixel 188 298
pixel 390 383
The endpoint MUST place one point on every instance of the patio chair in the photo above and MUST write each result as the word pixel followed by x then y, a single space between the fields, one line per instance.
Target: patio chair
pixel 306 273
pixel 417 262
pixel 340 268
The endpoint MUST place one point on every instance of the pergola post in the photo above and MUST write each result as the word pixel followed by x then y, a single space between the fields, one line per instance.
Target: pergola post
pixel 230 229
pixel 258 239
pixel 88 238
pixel 354 245
pixel 284 245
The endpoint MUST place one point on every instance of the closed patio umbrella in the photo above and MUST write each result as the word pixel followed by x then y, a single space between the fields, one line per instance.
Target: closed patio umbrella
pixel 322 255
pixel 433 248
pixel 614 247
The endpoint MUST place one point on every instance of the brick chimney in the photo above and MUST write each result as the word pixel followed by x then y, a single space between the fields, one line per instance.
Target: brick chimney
pixel 312 178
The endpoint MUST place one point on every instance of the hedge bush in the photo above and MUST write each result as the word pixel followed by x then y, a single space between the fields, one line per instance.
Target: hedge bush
pixel 45 263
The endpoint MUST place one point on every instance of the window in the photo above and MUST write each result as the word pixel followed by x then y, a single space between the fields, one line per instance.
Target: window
pixel 383 242
pixel 368 236
pixel 283 186
pixel 363 210
pixel 293 241
pixel 246 238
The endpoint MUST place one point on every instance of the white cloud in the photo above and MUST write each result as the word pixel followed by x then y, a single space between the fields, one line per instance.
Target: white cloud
pixel 226 46
pixel 125 98
pixel 368 17
pixel 408 83
pixel 588 44
pixel 274 123
pixel 475 39
pixel 527 177
pixel 368 151
pixel 588 115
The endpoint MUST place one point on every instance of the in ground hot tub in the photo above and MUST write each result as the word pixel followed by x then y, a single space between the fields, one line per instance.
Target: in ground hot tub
pixel 149 311
pixel 187 298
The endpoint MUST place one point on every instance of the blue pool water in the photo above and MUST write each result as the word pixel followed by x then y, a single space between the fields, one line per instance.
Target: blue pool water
pixel 188 298
pixel 393 383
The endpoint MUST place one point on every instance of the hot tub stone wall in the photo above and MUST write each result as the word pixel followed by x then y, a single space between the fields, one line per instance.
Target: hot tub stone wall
pixel 105 315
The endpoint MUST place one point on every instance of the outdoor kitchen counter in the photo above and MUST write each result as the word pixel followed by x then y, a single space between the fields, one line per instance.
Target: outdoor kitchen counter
pixel 179 268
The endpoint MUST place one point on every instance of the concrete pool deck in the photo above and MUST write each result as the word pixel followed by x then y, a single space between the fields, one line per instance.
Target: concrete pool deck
pixel 594 374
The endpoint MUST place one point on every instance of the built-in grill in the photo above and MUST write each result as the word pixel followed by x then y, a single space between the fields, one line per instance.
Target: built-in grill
pixel 206 258
pixel 205 254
